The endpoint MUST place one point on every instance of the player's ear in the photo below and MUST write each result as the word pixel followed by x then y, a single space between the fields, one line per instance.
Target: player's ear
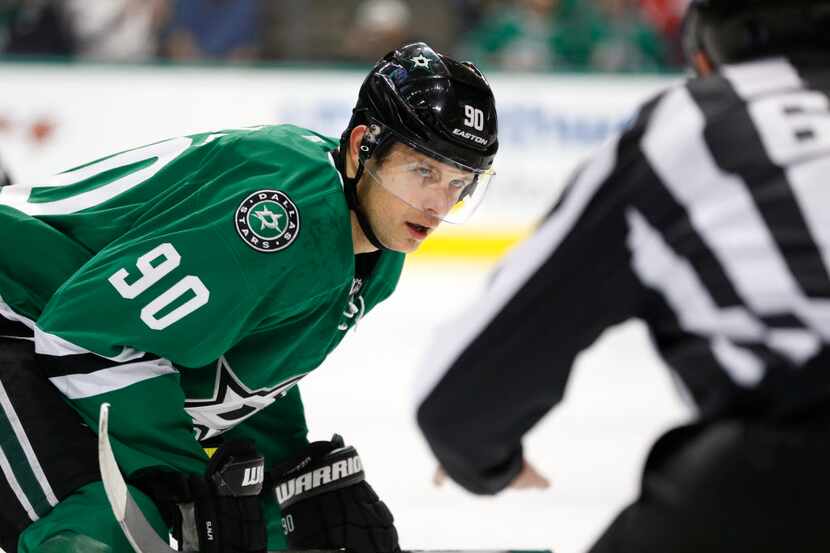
pixel 702 64
pixel 354 141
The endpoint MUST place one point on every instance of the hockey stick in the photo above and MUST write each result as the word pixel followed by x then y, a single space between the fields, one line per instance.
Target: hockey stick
pixel 137 529
pixel 132 521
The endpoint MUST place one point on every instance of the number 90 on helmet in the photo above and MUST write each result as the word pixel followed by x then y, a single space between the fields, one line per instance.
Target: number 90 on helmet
pixel 439 107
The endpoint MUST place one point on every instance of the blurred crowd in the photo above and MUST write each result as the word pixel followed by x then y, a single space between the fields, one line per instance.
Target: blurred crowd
pixel 511 35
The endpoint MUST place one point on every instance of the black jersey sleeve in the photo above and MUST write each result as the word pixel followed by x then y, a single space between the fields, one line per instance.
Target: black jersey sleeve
pixel 505 363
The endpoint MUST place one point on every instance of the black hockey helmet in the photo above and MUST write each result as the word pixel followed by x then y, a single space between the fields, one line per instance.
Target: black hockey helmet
pixel 730 31
pixel 439 106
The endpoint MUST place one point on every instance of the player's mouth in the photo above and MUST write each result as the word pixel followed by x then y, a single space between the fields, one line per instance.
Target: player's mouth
pixel 418 231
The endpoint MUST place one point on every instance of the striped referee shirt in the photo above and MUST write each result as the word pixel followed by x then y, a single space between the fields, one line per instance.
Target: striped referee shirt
pixel 708 219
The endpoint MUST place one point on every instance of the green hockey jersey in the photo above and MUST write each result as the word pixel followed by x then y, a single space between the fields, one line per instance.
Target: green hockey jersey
pixel 191 283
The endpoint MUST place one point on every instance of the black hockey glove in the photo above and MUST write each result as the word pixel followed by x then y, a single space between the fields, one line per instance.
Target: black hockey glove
pixel 219 512
pixel 327 504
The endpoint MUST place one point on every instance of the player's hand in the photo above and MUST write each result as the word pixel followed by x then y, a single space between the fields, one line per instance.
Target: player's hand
pixel 327 504
pixel 528 479
pixel 218 512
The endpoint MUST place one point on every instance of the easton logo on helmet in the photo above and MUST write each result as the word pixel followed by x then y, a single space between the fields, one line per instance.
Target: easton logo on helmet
pixel 469 136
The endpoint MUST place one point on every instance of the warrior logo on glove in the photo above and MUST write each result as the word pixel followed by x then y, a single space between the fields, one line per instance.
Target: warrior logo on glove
pixel 327 504
pixel 308 483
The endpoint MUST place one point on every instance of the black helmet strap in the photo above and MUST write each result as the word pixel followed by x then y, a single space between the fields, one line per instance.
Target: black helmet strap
pixel 350 189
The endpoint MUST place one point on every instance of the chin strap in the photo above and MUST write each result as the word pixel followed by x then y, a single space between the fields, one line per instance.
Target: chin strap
pixel 350 188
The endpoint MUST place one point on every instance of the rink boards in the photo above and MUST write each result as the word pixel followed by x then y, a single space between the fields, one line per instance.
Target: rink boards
pixel 56 116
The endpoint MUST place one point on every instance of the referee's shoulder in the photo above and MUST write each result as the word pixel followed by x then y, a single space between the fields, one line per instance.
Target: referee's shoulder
pixel 644 115
pixel 672 106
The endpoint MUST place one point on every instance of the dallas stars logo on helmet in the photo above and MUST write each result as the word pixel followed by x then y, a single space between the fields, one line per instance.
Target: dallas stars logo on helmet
pixel 267 220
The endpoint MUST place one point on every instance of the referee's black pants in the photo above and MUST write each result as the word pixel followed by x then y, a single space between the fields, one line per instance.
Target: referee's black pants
pixel 732 486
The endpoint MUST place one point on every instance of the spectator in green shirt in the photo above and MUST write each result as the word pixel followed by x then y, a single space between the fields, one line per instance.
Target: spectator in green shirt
pixel 626 41
pixel 565 35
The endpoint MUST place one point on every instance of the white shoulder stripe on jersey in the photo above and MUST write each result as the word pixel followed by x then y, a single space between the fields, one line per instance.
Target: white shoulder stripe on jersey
pixel 79 386
pixel 761 77
pixel 17 196
pixel 722 211
pixel 661 269
pixel 26 445
pixel 453 337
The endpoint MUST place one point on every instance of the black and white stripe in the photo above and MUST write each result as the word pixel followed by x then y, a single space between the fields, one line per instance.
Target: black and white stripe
pixel 709 219
pixel 48 452
pixel 21 437
pixel 78 372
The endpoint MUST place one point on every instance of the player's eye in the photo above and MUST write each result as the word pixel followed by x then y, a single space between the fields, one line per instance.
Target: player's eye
pixel 425 172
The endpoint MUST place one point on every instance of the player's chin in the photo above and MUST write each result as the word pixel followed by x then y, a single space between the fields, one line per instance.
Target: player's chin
pixel 403 244
pixel 403 239
pixel 408 245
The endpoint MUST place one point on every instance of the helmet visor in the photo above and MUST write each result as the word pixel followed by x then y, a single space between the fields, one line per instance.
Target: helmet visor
pixel 436 186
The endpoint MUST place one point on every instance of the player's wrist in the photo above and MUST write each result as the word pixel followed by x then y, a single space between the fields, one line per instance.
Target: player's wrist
pixel 486 481
pixel 218 512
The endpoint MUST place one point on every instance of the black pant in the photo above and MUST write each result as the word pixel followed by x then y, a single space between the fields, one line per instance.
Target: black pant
pixel 732 486
pixel 46 452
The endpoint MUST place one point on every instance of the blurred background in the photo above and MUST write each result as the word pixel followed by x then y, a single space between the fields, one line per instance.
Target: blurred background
pixel 529 35
pixel 81 79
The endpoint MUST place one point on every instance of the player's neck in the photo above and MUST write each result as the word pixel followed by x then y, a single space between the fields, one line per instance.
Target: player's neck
pixel 359 239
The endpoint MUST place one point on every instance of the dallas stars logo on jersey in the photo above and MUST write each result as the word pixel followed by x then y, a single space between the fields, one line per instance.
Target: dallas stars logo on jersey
pixel 267 220
pixel 232 401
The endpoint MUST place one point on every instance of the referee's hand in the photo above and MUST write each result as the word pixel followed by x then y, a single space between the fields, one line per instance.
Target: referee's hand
pixel 528 479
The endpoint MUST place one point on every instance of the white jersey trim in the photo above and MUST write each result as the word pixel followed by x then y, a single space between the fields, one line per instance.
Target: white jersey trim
pixel 8 473
pixel 79 386
pixel 50 344
pixel 26 445
pixel 18 196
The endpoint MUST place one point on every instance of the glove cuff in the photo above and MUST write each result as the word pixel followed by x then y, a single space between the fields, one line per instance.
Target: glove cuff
pixel 311 477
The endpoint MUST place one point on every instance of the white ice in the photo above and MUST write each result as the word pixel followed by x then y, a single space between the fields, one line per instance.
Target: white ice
pixel 619 400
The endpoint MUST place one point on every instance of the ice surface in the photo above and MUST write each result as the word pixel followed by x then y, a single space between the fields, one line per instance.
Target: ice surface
pixel 620 398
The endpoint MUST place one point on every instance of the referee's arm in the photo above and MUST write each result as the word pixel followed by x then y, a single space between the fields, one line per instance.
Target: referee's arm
pixel 496 371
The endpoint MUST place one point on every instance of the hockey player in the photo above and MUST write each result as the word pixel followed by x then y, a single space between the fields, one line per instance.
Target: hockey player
pixel 191 284
pixel 709 220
